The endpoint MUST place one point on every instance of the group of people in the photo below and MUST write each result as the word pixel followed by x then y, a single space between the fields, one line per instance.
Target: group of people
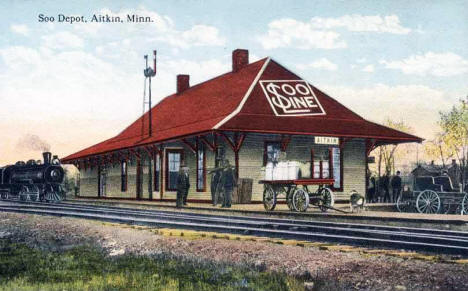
pixel 223 180
pixel 384 195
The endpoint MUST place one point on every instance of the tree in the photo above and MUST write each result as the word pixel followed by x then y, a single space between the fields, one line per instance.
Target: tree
pixel 454 125
pixel 389 153
pixel 437 149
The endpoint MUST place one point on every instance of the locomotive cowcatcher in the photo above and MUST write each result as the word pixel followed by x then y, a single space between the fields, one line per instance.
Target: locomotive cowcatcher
pixel 33 180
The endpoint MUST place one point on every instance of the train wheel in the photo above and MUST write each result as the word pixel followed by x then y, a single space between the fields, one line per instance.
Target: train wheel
pixel 4 195
pixel 34 193
pixel 300 200
pixel 327 200
pixel 23 194
pixel 269 198
pixel 428 201
pixel 464 205
pixel 48 193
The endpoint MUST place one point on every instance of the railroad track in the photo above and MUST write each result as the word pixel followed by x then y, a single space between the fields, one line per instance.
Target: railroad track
pixel 367 235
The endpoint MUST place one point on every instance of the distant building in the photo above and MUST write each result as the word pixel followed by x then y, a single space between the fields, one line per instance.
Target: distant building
pixel 427 170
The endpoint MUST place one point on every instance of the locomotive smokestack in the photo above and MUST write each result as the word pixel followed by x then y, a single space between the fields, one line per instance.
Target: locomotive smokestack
pixel 47 157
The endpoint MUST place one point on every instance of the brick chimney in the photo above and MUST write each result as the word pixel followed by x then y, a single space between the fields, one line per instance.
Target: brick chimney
pixel 183 83
pixel 240 59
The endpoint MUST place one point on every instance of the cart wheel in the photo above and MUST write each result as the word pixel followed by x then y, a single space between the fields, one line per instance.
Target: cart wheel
pixel 428 201
pixel 269 198
pixel 464 205
pixel 403 205
pixel 327 199
pixel 300 200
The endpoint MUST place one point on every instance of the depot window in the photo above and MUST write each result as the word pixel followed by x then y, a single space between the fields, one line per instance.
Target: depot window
pixel 157 172
pixel 174 161
pixel 123 176
pixel 201 168
pixel 327 164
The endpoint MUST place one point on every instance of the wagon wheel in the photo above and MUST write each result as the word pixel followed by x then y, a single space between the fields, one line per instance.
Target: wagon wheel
pixel 269 198
pixel 403 205
pixel 326 199
pixel 300 200
pixel 428 201
pixel 464 205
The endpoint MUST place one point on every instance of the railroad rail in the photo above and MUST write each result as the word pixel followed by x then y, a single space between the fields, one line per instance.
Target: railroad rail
pixel 367 235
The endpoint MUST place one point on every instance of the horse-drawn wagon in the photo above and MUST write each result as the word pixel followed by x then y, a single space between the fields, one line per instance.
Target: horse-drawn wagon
pixel 433 195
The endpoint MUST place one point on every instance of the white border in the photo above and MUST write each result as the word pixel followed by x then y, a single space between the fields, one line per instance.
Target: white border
pixel 299 114
pixel 246 96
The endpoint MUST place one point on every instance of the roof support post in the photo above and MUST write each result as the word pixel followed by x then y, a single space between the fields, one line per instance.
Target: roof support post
pixel 211 146
pixel 235 145
pixel 370 146
pixel 192 147
pixel 136 154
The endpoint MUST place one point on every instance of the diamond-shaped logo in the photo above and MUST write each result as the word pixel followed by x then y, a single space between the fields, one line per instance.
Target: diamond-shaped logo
pixel 291 98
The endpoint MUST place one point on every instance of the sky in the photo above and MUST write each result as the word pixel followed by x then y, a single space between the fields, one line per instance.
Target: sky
pixel 67 86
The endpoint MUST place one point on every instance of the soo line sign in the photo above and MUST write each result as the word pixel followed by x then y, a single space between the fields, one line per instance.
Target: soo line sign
pixel 291 98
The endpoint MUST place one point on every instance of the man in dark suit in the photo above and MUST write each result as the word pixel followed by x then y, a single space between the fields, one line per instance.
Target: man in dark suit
pixel 215 183
pixel 396 186
pixel 228 181
pixel 183 186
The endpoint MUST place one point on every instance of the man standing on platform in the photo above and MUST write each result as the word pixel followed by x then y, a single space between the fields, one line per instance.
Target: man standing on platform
pixel 385 187
pixel 183 186
pixel 215 183
pixel 228 180
pixel 396 186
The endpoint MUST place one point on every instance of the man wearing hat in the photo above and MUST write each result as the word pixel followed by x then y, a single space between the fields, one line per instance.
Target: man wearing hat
pixel 183 185
pixel 228 181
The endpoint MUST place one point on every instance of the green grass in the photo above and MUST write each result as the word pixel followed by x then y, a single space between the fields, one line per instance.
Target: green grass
pixel 88 268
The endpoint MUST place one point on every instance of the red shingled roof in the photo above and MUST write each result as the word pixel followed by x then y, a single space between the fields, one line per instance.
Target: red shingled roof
pixel 235 101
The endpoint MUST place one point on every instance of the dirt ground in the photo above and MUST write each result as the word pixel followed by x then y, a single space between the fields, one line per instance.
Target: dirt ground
pixel 354 270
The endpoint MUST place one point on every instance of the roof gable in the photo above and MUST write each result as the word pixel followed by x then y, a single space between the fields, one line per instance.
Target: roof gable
pixel 324 116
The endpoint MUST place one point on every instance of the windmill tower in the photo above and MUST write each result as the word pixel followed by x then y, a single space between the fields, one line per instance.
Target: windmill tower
pixel 149 73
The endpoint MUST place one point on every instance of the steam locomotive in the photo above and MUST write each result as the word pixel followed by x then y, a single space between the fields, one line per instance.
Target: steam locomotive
pixel 33 180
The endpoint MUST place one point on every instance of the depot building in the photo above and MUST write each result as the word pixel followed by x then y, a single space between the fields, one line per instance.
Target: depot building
pixel 247 116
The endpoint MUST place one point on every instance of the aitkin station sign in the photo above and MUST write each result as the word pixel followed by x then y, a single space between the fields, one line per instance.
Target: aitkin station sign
pixel 291 98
